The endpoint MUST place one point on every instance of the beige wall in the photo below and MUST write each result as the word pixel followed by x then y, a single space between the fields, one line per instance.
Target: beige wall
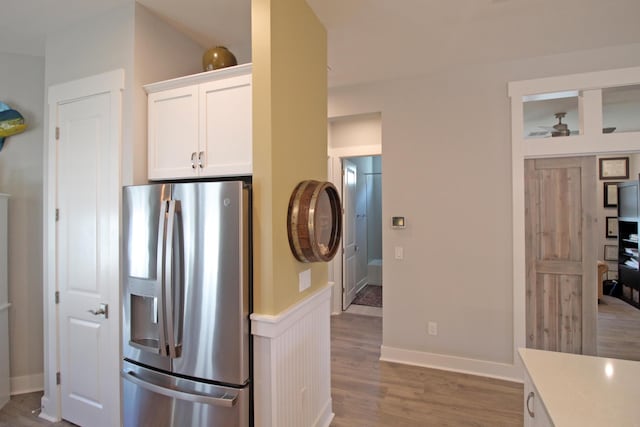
pixel 290 140
pixel 22 87
pixel 351 131
pixel 447 168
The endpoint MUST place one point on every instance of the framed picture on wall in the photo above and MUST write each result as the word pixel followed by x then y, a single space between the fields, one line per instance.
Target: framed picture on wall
pixel 610 194
pixel 612 227
pixel 614 168
pixel 610 253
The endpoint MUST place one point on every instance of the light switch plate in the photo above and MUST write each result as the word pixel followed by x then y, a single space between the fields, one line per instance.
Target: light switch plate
pixel 304 280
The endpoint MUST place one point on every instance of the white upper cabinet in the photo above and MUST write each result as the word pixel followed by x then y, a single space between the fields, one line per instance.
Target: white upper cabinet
pixel 173 133
pixel 225 126
pixel 200 125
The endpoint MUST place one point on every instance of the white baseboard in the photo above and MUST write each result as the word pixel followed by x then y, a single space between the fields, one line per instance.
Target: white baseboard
pixel 292 364
pixel 44 405
pixel 483 368
pixel 326 416
pixel 27 384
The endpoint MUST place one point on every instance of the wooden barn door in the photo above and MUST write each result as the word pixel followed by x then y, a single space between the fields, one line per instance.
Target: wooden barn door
pixel 560 212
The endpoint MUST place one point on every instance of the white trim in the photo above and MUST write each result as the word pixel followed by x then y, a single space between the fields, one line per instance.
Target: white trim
pixel 27 384
pixel 43 415
pixel 502 371
pixel 332 285
pixel 325 417
pixel 292 364
pixel 581 81
pixel 108 82
pixel 335 177
pixel 590 142
pixel 207 76
pixel 356 151
pixel 269 326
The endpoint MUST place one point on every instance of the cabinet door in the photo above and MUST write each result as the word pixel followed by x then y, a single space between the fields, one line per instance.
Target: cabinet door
pixel 534 413
pixel 173 133
pixel 225 127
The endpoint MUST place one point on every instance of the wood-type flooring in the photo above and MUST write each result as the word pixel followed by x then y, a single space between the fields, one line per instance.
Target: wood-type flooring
pixel 22 411
pixel 618 329
pixel 367 392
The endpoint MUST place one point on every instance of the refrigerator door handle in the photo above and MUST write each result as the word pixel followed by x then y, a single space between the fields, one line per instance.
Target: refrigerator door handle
pixel 162 344
pixel 168 282
pixel 224 399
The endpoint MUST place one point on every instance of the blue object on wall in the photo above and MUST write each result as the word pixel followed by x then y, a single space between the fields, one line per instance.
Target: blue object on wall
pixel 11 122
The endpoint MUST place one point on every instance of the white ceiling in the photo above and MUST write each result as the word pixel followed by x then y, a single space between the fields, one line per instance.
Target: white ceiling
pixel 370 40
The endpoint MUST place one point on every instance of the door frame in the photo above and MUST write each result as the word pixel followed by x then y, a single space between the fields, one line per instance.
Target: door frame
pixel 591 141
pixel 335 156
pixel 345 227
pixel 111 82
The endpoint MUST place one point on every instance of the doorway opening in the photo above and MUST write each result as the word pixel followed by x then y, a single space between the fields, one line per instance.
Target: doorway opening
pixel 362 258
pixel 618 304
pixel 617 314
pixel 357 141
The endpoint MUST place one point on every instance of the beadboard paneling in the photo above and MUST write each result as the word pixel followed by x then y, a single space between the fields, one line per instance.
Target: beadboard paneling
pixel 292 364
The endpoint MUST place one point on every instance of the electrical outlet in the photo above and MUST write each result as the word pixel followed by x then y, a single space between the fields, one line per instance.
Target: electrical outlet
pixel 432 328
pixel 399 252
pixel 304 280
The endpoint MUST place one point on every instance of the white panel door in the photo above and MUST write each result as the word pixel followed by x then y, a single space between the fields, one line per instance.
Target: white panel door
pixel 361 231
pixel 350 174
pixel 88 197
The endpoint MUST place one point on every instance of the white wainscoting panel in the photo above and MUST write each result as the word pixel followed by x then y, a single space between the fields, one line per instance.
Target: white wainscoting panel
pixel 292 364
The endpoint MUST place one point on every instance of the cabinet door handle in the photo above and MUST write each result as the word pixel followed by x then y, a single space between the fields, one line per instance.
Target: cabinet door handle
pixel 200 158
pixel 193 160
pixel 529 397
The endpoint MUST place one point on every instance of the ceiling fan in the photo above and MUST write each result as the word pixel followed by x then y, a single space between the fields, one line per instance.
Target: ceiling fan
pixel 559 129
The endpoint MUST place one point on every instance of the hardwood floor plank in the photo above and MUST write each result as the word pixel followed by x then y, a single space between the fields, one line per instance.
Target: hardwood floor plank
pixel 368 392
pixel 19 412
pixel 618 329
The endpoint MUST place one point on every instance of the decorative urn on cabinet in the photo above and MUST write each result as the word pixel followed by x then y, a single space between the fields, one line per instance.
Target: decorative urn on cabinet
pixel 218 57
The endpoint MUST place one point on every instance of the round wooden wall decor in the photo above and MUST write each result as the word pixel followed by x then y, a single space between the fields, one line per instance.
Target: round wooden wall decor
pixel 314 221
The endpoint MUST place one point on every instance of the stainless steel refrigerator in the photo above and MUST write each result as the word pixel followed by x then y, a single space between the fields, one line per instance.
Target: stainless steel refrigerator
pixel 186 305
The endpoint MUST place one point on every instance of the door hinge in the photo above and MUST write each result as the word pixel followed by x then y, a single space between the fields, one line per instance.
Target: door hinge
pixel 57 133
pixel 57 378
pixel 57 297
pixel 57 214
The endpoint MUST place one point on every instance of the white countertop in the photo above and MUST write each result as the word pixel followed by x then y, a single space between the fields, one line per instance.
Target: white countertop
pixel 585 391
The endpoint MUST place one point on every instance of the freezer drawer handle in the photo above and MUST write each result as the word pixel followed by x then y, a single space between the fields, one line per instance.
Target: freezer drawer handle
pixel 225 399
